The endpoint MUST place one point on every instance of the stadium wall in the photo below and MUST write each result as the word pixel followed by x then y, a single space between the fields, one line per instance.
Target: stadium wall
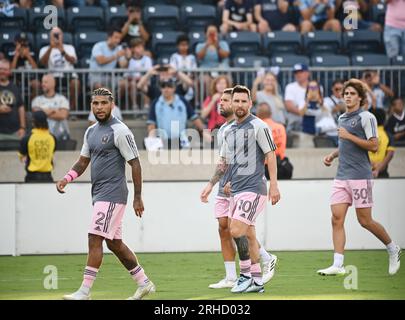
pixel 38 220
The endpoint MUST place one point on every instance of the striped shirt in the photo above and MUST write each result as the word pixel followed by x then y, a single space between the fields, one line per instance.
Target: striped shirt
pixel 354 163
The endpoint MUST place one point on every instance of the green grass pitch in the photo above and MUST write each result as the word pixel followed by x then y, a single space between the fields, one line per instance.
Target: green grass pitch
pixel 187 276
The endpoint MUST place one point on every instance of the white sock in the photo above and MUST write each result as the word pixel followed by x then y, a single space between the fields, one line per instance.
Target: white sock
pixel 264 255
pixel 84 289
pixel 338 260
pixel 392 248
pixel 230 270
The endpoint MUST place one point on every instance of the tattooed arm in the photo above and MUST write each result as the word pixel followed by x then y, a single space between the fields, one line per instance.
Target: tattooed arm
pixel 137 180
pixel 77 170
pixel 219 173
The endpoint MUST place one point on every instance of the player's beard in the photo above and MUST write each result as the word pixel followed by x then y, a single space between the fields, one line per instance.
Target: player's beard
pixel 225 113
pixel 105 119
pixel 240 113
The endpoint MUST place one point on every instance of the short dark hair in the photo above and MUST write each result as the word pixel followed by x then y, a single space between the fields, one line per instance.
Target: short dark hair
pixel 227 91
pixel 241 89
pixel 103 92
pixel 111 31
pixel 337 81
pixel 39 118
pixel 136 42
pixel 379 115
pixel 182 38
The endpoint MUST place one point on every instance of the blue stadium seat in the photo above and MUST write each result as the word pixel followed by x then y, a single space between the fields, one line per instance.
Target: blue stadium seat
pixel 251 61
pixel 7 41
pixel 398 61
pixel 359 41
pixel 84 42
pixel 244 42
pixel 195 37
pixel 85 19
pixel 322 42
pixel 84 63
pixel 282 42
pixel 288 60
pixel 370 60
pixel 377 13
pixel 161 17
pixel 116 16
pixel 330 60
pixel 37 15
pixel 19 20
pixel 164 43
pixel 197 16
pixel 42 39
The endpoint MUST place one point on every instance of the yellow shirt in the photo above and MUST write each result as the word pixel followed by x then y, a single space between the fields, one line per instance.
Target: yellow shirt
pixel 384 145
pixel 39 148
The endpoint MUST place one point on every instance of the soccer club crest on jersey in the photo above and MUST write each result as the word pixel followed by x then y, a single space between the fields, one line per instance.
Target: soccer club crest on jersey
pixel 104 139
pixel 353 123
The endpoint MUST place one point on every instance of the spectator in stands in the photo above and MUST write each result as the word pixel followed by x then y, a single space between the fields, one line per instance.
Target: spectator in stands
pixel 56 107
pixel 237 16
pixel 294 97
pixel 137 62
pixel 318 15
pixel 183 60
pixel 335 103
pixel 380 91
pixel 58 56
pixel 7 8
pixel 134 27
pixel 79 3
pixel 394 31
pixel 270 95
pixel 212 53
pixel 149 84
pixel 284 167
pixel 105 55
pixel 37 150
pixel 12 112
pixel 23 59
pixel 210 107
pixel 25 4
pixel 116 112
pixel 396 122
pixel 169 113
pixel 385 152
pixel 362 9
pixel 274 15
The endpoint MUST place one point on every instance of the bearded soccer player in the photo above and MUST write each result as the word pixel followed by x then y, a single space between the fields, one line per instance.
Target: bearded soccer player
pixel 247 143
pixel 353 183
pixel 222 206
pixel 108 144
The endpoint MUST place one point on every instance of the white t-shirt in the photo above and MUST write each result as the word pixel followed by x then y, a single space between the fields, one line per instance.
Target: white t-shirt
pixel 59 128
pixel 58 62
pixel 295 93
pixel 145 63
pixel 180 62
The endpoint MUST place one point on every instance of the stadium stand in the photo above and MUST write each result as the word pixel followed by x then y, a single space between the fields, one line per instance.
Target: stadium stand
pixel 282 42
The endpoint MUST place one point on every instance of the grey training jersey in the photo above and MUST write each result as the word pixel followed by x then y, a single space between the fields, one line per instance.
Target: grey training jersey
pixel 244 148
pixel 354 163
pixel 225 177
pixel 109 146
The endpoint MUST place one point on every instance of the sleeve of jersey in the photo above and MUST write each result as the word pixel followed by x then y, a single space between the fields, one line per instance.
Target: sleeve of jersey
pixel 85 152
pixel 265 139
pixel 125 142
pixel 369 123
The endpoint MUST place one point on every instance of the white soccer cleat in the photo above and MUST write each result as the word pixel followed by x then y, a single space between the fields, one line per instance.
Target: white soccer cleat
pixel 78 295
pixel 224 283
pixel 269 267
pixel 395 262
pixel 242 284
pixel 143 291
pixel 332 271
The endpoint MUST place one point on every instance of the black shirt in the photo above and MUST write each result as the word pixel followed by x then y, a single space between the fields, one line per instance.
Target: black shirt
pixel 395 125
pixel 238 12
pixel 10 95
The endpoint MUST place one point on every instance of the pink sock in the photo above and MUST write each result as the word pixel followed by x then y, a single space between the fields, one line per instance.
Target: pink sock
pixel 245 266
pixel 256 273
pixel 89 276
pixel 138 274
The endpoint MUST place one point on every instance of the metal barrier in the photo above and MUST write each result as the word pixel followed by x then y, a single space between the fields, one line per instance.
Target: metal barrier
pixel 133 103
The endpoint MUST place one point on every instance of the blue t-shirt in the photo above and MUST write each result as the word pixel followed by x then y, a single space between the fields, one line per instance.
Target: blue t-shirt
pixel 102 49
pixel 211 58
pixel 320 13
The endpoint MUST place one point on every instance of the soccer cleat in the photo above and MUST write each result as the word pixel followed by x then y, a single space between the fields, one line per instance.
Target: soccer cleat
pixel 78 295
pixel 224 283
pixel 269 267
pixel 395 262
pixel 143 291
pixel 332 271
pixel 254 287
pixel 242 284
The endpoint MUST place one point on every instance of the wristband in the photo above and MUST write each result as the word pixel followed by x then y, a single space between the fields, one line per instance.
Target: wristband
pixel 71 175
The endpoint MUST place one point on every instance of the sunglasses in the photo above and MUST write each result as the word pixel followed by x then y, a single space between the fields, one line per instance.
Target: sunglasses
pixel 167 84
pixel 313 87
